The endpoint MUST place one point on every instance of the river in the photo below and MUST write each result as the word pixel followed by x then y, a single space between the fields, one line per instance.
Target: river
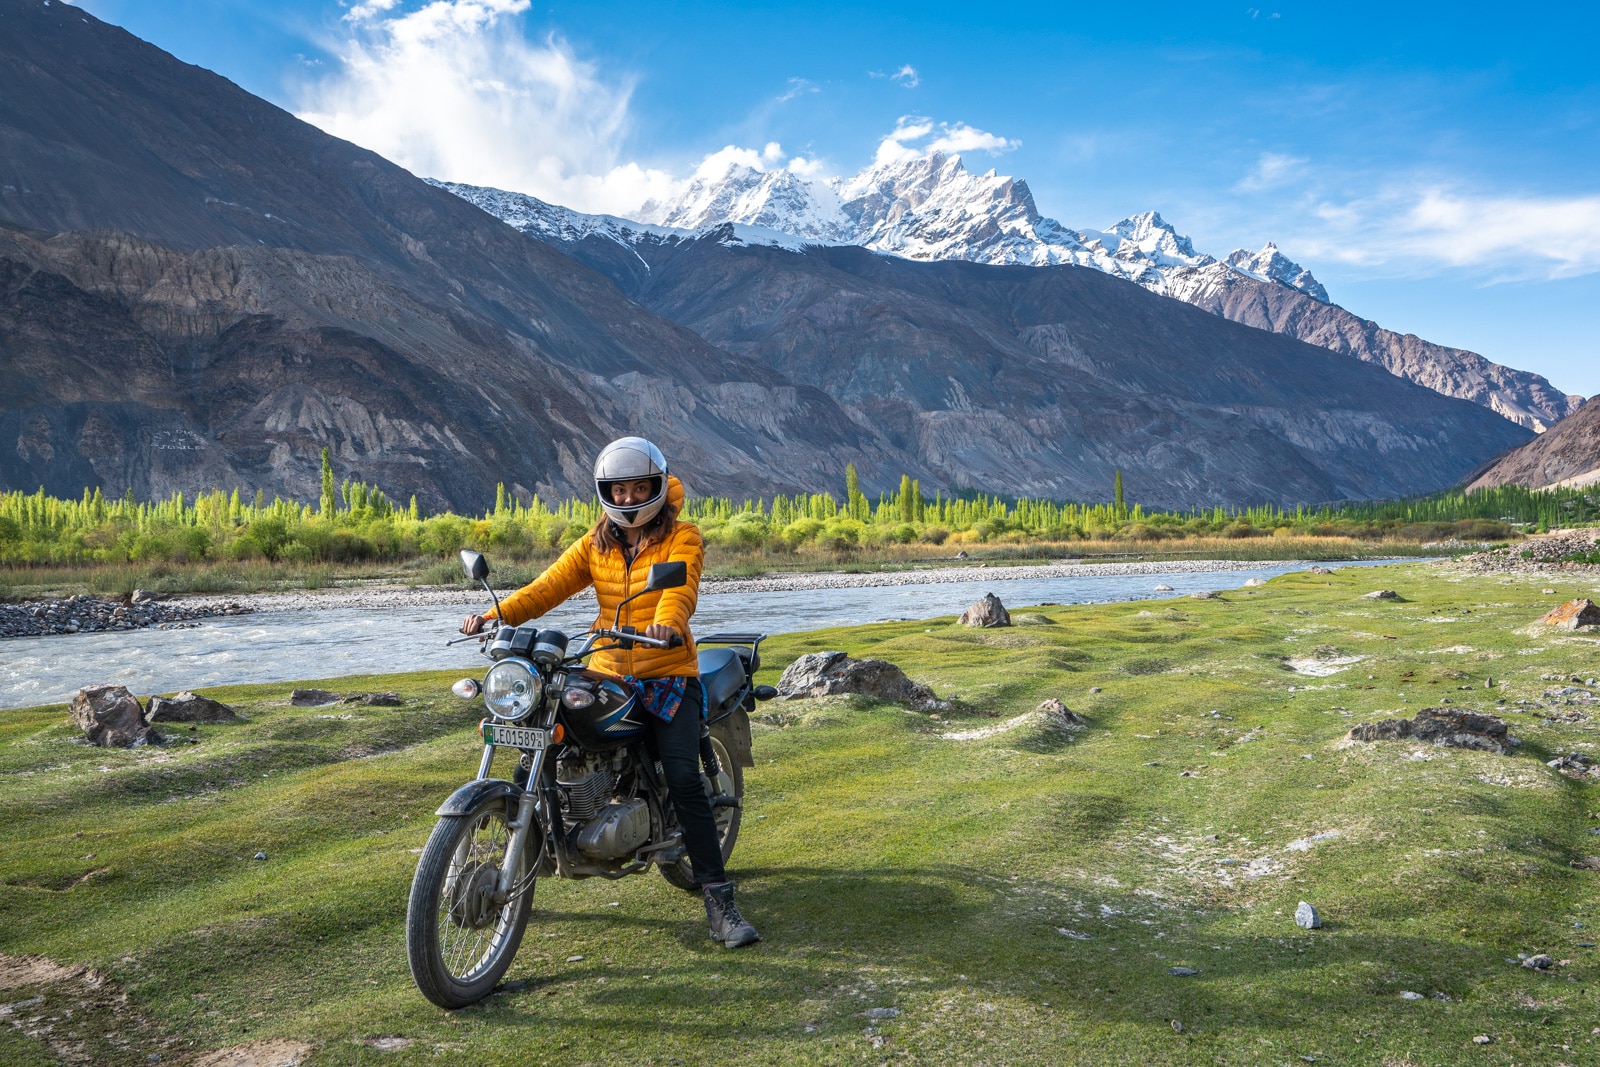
pixel 282 646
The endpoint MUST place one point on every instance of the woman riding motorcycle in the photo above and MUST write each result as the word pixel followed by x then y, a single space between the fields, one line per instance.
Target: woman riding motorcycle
pixel 639 527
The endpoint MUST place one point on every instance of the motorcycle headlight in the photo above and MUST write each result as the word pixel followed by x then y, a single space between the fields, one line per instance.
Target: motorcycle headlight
pixel 512 689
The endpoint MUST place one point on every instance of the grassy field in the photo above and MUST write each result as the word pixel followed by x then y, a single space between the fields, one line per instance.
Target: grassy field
pixel 252 576
pixel 1016 893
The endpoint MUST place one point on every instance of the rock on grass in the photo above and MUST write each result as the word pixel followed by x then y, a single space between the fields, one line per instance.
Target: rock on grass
pixel 1441 726
pixel 110 716
pixel 188 707
pixel 1571 615
pixel 819 674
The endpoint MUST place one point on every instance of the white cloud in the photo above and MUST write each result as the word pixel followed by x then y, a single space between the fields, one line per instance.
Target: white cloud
pixel 1273 168
pixel 455 90
pixel 907 76
pixel 725 159
pixel 798 87
pixel 1420 229
pixel 807 168
pixel 369 8
pixel 902 143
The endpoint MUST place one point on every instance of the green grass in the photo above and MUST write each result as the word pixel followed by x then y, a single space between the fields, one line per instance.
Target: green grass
pixel 887 865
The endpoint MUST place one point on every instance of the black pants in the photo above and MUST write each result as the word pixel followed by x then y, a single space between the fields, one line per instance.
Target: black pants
pixel 677 746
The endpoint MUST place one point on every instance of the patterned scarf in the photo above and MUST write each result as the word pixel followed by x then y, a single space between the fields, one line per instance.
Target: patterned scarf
pixel 662 696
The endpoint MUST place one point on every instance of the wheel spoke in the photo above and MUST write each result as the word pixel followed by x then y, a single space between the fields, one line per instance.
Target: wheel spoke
pixel 466 946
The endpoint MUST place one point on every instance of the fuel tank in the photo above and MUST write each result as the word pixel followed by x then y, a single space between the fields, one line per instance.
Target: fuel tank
pixel 599 711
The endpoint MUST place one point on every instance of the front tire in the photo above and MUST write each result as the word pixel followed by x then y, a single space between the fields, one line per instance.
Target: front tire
pixel 458 941
pixel 730 781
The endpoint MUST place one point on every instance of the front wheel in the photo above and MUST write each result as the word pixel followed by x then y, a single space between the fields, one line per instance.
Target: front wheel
pixel 458 940
pixel 730 782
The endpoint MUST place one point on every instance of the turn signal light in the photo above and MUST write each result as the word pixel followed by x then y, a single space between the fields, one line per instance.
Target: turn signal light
pixel 557 734
pixel 467 688
pixel 577 699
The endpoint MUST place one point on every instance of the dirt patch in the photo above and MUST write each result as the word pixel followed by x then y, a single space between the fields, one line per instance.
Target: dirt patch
pixel 268 1052
pixel 77 1013
pixel 83 1018
pixel 19 971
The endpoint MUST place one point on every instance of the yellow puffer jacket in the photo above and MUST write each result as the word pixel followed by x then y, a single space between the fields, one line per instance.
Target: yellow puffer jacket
pixel 614 580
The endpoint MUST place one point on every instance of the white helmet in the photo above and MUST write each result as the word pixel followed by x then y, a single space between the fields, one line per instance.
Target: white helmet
pixel 629 459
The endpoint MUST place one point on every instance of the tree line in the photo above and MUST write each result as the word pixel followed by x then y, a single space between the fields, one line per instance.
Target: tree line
pixel 354 521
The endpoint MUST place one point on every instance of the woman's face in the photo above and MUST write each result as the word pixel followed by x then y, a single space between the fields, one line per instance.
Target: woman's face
pixel 632 494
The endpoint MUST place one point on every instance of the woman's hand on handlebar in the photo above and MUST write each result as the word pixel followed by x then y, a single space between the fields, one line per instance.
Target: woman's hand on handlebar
pixel 473 624
pixel 659 632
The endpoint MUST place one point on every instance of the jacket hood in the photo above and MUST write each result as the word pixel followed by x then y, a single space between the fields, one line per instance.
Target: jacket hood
pixel 674 492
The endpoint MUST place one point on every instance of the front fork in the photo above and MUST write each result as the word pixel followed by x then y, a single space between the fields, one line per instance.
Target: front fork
pixel 518 826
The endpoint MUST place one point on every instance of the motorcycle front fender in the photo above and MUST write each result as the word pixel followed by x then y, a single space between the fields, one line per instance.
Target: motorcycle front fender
pixel 475 793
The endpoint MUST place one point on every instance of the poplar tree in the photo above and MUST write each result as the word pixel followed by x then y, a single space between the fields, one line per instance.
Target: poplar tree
pixel 329 502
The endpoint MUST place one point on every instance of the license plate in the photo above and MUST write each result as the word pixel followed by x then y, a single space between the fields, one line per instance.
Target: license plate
pixel 525 737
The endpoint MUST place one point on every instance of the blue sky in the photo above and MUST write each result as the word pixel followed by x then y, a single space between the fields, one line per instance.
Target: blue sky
pixel 1435 165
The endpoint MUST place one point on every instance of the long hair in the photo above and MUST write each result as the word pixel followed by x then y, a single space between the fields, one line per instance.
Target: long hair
pixel 604 534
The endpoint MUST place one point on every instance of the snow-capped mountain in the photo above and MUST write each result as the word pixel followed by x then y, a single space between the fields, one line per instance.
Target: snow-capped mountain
pixel 933 208
pixel 560 225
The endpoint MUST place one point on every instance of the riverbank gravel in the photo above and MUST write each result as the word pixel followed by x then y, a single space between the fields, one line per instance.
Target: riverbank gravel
pixel 87 614
pixel 1543 554
pixel 378 597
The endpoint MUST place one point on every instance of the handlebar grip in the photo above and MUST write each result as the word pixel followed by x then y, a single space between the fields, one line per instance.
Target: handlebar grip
pixel 676 641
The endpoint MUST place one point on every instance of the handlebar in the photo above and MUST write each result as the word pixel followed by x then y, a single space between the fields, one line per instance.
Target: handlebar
pixel 675 641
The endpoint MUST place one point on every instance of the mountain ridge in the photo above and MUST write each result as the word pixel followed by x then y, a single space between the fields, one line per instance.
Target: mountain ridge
pixel 932 208
pixel 1567 456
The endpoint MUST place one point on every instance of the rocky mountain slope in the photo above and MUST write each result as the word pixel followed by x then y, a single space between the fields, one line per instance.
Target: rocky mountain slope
pixel 1568 454
pixel 198 289
pixel 932 208
pixel 1049 378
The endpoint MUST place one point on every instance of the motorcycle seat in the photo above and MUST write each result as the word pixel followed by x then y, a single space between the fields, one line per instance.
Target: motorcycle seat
pixel 722 673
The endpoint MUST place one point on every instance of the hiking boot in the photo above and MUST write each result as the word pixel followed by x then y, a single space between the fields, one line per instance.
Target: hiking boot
pixel 727 925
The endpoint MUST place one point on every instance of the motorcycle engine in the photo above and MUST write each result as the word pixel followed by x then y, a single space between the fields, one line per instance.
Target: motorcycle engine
pixel 607 829
pixel 618 830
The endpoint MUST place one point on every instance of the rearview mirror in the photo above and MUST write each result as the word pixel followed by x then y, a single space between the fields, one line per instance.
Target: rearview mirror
pixel 476 566
pixel 667 575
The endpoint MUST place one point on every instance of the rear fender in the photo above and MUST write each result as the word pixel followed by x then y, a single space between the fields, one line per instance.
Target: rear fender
pixel 734 731
pixel 476 793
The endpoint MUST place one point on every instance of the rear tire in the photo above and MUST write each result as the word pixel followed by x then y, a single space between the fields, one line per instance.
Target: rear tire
pixel 459 944
pixel 730 780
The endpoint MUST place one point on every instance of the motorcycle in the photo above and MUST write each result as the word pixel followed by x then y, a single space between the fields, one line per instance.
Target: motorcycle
pixel 587 799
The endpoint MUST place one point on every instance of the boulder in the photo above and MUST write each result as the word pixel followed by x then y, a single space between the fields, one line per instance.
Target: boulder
pixel 110 716
pixel 1382 594
pixel 1452 727
pixel 374 700
pixel 312 698
pixel 1063 715
pixel 188 707
pixel 1306 917
pixel 819 674
pixel 1573 614
pixel 988 612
